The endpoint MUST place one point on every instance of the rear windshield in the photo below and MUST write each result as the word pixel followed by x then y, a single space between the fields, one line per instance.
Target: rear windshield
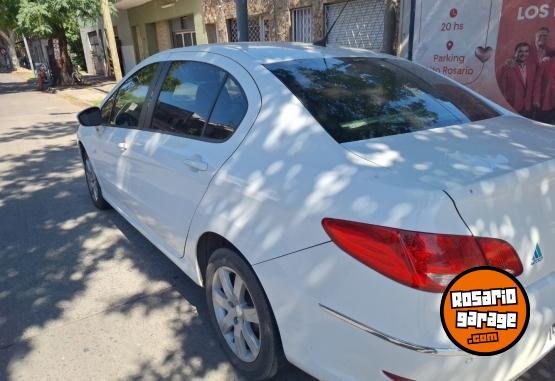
pixel 356 98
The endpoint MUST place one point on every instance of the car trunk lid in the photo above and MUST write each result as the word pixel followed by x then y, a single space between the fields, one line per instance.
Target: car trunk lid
pixel 499 172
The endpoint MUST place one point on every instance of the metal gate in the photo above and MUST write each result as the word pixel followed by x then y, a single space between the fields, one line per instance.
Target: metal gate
pixel 360 26
pixel 301 24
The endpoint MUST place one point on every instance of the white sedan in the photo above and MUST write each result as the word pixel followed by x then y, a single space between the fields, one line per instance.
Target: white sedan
pixel 324 198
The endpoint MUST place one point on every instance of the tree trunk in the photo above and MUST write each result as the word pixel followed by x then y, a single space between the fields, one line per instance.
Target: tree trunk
pixel 389 26
pixel 9 38
pixel 63 61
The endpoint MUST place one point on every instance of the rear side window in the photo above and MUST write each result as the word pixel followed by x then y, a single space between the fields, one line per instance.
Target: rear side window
pixel 186 98
pixel 229 110
pixel 357 98
pixel 131 97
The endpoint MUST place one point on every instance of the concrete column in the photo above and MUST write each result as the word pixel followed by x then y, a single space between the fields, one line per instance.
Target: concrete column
pixel 163 35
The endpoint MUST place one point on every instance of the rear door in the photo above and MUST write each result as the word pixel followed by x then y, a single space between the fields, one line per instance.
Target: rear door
pixel 200 113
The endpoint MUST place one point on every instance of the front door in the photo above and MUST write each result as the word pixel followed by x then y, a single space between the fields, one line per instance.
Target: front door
pixel 122 114
pixel 199 118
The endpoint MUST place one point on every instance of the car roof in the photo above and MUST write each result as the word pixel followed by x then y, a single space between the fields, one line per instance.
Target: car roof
pixel 271 52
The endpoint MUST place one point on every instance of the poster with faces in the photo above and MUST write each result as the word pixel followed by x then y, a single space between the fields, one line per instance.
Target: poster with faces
pixel 503 49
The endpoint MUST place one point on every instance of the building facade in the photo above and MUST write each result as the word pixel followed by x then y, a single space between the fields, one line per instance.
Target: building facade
pixel 95 49
pixel 361 24
pixel 164 24
pixel 145 27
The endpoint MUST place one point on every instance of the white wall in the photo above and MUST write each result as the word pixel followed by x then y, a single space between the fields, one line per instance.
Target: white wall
pixel 84 30
pixel 121 22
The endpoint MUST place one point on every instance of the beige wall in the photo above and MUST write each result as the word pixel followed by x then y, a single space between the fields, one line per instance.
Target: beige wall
pixel 163 35
pixel 152 12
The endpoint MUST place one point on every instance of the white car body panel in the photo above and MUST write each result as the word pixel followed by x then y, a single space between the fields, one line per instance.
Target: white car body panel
pixel 331 349
pixel 302 175
pixel 268 187
pixel 164 189
pixel 510 163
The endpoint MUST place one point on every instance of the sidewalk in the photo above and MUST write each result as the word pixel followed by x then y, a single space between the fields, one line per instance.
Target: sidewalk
pixel 83 96
pixel 89 95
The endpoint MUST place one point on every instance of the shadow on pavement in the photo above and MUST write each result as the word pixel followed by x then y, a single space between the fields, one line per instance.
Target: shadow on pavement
pixel 54 246
pixel 17 87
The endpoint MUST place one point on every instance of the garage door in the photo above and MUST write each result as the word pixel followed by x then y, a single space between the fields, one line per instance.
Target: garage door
pixel 360 24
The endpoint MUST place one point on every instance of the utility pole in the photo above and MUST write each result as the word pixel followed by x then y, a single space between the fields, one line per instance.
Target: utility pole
pixel 242 20
pixel 111 39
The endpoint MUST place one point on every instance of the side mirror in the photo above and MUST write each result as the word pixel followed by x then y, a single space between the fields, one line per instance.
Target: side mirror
pixel 90 117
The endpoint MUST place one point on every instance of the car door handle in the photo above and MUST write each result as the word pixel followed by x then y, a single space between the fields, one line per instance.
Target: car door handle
pixel 122 146
pixel 196 165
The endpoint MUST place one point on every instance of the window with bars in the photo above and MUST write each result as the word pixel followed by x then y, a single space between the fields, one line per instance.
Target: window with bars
pixel 301 25
pixel 185 38
pixel 360 25
pixel 183 31
pixel 259 29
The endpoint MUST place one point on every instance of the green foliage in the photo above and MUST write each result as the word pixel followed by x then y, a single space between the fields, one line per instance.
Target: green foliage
pixel 8 14
pixel 49 17
pixel 74 41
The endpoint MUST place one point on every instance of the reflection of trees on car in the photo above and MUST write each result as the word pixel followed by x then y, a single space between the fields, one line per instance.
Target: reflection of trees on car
pixel 131 97
pixel 362 98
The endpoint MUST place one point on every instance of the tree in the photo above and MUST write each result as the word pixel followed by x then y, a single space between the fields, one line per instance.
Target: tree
pixel 8 26
pixel 51 18
pixel 390 22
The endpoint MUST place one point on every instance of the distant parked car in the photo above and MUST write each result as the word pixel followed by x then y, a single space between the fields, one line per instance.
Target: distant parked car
pixel 325 197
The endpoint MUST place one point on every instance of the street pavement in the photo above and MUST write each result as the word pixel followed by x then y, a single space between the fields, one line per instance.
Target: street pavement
pixel 83 295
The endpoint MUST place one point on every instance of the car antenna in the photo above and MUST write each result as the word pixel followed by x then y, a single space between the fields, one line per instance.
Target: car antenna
pixel 324 40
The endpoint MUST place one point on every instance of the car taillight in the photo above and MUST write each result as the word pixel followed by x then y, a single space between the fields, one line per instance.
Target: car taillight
pixel 425 261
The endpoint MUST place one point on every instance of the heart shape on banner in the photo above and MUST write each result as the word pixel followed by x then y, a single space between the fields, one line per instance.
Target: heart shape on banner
pixel 483 54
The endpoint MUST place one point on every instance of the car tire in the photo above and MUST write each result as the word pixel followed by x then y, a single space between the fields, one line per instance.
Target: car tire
pixel 92 184
pixel 237 310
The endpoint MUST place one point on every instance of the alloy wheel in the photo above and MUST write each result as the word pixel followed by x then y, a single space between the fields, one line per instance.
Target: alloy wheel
pixel 236 314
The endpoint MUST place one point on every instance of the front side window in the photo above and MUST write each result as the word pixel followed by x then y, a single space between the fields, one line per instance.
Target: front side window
pixel 186 98
pixel 131 97
pixel 106 110
pixel 357 98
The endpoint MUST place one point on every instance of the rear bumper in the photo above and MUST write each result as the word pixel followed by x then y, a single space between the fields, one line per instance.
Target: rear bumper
pixel 340 320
